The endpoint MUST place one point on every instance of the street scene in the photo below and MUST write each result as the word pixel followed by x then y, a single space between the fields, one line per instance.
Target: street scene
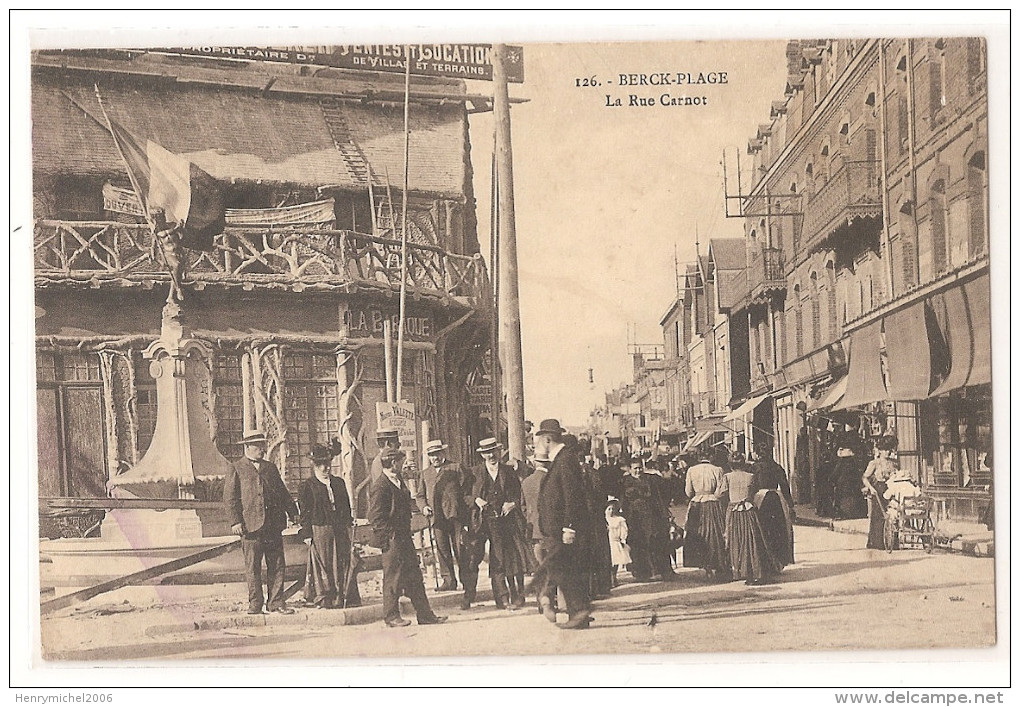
pixel 409 350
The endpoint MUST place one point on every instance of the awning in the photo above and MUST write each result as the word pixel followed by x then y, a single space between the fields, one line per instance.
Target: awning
pixel 745 407
pixel 865 383
pixel 908 353
pixel 832 396
pixel 964 318
pixel 698 439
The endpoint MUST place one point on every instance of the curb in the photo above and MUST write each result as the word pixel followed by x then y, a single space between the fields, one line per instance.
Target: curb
pixel 312 617
pixel 958 545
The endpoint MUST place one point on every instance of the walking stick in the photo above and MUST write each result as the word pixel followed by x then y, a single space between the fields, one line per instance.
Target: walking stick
pixel 349 574
pixel 435 555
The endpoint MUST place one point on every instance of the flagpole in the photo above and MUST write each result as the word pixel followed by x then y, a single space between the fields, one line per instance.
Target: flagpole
pixel 403 222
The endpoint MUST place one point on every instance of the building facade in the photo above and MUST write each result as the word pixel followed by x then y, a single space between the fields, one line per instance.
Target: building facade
pixel 295 297
pixel 867 297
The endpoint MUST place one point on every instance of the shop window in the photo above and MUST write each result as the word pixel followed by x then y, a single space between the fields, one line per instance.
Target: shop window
pixel 71 425
pixel 229 393
pixel 310 408
pixel 956 432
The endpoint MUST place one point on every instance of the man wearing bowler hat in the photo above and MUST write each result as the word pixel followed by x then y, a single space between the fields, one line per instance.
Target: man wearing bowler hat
pixel 440 498
pixel 563 518
pixel 259 506
pixel 390 516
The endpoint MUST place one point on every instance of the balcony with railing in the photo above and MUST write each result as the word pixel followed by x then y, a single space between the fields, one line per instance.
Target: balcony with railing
pixel 98 253
pixel 766 273
pixel 852 192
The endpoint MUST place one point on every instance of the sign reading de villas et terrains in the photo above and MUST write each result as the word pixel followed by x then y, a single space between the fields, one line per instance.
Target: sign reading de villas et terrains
pixel 465 61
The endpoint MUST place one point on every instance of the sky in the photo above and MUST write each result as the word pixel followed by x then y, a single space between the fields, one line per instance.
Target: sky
pixel 604 196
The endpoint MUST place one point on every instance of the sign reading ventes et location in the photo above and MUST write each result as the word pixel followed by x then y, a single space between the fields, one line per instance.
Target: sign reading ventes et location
pixel 465 61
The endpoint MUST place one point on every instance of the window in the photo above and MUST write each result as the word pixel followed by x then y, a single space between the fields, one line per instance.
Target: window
pixel 938 216
pixel 798 321
pixel 977 201
pixel 310 408
pixel 145 403
pixel 71 425
pixel 816 314
pixel 228 390
pixel 902 113
pixel 976 65
pixel 936 81
pixel 830 290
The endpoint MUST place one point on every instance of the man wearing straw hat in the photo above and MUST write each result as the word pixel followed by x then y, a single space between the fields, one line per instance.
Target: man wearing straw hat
pixel 495 499
pixel 259 505
pixel 440 498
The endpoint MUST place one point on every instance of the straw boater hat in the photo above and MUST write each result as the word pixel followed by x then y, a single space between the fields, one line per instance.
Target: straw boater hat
pixel 489 444
pixel 387 433
pixel 253 437
pixel 435 446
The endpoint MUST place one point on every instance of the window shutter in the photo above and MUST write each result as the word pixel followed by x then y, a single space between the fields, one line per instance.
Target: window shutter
pixel 937 209
pixel 976 204
pixel 934 84
pixel 909 260
pixel 975 64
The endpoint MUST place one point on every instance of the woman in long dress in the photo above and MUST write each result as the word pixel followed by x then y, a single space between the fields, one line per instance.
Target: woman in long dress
pixel 775 504
pixel 850 500
pixel 326 520
pixel 705 543
pixel 875 479
pixel 750 557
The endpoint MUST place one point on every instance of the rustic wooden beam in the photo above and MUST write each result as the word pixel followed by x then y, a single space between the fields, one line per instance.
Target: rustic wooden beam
pixel 82 595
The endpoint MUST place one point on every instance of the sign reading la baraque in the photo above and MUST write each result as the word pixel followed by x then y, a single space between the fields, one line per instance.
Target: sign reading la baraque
pixel 466 61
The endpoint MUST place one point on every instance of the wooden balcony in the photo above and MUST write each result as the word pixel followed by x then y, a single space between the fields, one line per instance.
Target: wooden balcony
pixel 852 192
pixel 103 253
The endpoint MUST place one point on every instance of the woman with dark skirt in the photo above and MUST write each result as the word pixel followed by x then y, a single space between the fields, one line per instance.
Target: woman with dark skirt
pixel 774 502
pixel 704 542
pixel 850 501
pixel 875 478
pixel 750 557
pixel 326 519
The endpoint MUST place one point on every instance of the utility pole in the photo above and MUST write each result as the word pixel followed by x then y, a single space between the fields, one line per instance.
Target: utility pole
pixel 509 309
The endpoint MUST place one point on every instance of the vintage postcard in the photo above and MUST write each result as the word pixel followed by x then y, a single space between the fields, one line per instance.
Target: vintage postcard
pixel 416 346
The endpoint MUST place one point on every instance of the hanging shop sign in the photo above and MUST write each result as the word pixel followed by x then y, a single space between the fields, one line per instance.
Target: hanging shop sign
pixel 463 61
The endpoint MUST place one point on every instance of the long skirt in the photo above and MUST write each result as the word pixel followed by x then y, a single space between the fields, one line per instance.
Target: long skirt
pixel 704 543
pixel 749 554
pixel 876 514
pixel 326 571
pixel 777 524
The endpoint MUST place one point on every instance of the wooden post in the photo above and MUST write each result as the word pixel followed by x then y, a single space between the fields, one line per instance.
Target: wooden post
pixel 388 358
pixel 398 397
pixel 509 310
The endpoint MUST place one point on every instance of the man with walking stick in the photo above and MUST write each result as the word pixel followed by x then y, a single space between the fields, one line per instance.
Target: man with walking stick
pixel 441 500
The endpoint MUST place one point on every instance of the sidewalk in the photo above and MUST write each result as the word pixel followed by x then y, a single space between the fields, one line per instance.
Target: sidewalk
pixel 967 538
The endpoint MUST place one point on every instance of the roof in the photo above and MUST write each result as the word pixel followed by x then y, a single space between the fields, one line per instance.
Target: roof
pixel 728 253
pixel 241 134
pixel 731 286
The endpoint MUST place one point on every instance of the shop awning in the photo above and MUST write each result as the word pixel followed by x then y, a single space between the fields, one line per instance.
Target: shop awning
pixel 832 396
pixel 865 383
pixel 908 353
pixel 698 439
pixel 964 318
pixel 745 407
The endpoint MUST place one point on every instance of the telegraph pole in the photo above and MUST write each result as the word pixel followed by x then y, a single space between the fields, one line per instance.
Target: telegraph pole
pixel 509 305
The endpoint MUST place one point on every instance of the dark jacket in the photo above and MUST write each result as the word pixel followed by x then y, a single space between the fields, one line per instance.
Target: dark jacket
pixel 562 503
pixel 390 512
pixel 505 489
pixel 442 490
pixel 313 502
pixel 531 488
pixel 257 498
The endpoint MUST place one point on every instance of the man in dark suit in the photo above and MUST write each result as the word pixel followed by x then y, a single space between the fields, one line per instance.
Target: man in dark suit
pixel 563 519
pixel 440 498
pixel 259 506
pixel 390 516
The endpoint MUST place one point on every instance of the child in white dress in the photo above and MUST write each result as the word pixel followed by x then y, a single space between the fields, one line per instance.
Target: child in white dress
pixel 619 549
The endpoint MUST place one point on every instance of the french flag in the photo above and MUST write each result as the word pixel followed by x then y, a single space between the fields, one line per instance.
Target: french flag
pixel 187 195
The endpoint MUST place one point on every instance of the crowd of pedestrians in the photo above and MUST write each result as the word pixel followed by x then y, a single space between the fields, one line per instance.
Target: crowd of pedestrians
pixel 576 523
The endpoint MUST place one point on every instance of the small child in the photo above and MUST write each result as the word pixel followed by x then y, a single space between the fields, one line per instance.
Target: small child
pixel 900 486
pixel 619 549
